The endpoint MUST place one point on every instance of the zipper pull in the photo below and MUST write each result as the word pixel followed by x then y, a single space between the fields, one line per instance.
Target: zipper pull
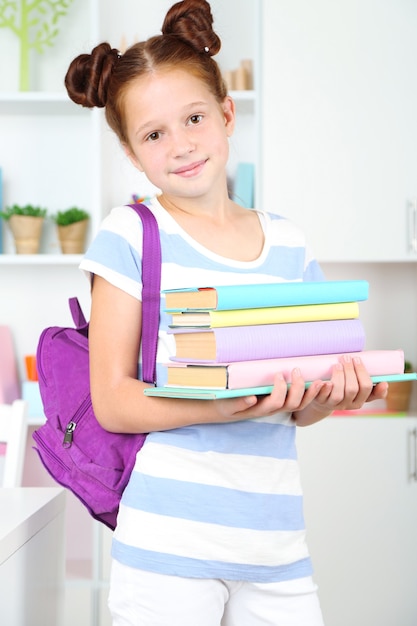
pixel 69 434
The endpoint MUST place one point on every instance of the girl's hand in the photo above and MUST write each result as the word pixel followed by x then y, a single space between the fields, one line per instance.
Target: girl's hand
pixel 349 388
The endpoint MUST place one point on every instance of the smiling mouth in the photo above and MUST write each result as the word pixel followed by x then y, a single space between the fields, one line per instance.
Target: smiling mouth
pixel 190 170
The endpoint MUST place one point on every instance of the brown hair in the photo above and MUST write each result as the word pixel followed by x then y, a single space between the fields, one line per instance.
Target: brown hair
pixel 188 41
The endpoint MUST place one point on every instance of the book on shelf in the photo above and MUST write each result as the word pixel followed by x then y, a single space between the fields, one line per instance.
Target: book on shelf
pixel 196 393
pixel 268 341
pixel 244 188
pixel 265 295
pixel 265 315
pixel 243 374
pixel 1 208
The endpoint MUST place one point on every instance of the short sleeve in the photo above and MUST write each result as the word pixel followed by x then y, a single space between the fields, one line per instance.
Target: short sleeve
pixel 115 254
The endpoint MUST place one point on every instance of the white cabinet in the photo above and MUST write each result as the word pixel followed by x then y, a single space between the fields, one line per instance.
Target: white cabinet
pixel 360 485
pixel 31 556
pixel 339 151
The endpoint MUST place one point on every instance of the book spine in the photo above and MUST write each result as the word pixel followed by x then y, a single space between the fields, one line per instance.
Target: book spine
pixel 242 343
pixel 316 367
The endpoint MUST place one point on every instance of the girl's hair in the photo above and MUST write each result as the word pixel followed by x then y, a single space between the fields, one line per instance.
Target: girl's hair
pixel 187 42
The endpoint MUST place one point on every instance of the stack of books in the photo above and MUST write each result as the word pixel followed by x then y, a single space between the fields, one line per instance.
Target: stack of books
pixel 232 340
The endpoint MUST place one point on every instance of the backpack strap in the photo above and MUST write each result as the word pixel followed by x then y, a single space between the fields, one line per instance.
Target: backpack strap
pixel 151 294
pixel 151 290
pixel 80 322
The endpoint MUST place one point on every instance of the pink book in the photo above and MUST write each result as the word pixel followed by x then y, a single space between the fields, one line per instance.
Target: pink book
pixel 261 373
pixel 9 382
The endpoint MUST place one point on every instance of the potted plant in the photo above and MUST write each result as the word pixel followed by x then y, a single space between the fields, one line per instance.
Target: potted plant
pixel 72 228
pixel 25 223
pixel 399 393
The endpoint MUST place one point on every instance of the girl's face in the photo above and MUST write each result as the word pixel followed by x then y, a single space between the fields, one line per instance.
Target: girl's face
pixel 178 133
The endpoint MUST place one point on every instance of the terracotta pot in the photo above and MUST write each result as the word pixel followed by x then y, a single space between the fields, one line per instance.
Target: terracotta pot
pixel 27 232
pixel 399 394
pixel 72 237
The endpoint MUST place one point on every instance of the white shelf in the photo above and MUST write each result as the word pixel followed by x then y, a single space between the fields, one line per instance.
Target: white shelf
pixel 243 96
pixel 40 259
pixel 37 102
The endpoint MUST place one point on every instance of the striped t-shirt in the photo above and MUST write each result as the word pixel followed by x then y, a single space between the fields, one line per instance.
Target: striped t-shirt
pixel 212 500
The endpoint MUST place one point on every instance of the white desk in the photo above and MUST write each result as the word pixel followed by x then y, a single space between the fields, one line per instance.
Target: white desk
pixel 32 556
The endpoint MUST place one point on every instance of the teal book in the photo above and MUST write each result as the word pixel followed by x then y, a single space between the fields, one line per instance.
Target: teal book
pixel 227 297
pixel 193 393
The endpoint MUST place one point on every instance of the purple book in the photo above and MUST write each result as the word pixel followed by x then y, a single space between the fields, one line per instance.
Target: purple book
pixel 268 341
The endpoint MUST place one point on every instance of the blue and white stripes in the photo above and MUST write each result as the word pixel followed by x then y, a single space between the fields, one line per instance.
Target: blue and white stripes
pixel 213 500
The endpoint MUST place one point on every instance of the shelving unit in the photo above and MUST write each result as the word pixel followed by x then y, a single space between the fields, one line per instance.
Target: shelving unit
pixel 73 147
pixel 56 154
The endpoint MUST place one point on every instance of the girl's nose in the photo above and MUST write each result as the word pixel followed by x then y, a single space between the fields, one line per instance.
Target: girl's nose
pixel 182 143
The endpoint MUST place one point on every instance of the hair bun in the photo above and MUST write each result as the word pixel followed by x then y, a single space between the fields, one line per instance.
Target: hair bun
pixel 88 76
pixel 192 22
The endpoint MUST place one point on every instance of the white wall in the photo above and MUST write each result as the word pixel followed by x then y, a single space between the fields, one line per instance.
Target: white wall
pixel 32 298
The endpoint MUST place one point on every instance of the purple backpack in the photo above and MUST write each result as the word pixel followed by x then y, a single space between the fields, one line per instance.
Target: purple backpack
pixel 77 452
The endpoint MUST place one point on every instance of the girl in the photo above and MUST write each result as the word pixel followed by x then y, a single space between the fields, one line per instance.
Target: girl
pixel 210 529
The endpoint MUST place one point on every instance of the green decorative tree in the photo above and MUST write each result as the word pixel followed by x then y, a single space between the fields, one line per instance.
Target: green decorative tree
pixel 34 23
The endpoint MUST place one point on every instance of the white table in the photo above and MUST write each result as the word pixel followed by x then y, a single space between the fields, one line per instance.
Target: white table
pixel 32 556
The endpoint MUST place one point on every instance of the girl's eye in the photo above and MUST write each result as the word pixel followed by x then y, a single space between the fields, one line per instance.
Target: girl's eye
pixel 195 119
pixel 153 136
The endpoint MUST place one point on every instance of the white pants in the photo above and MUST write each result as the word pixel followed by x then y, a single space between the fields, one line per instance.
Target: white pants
pixel 139 598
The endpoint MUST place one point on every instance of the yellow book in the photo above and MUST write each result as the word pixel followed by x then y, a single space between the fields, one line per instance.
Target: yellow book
pixel 268 315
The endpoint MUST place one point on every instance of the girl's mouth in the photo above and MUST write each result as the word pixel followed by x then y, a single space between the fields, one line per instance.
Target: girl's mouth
pixel 187 171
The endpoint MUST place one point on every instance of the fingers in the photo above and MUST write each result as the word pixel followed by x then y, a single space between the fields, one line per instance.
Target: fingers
pixel 283 397
pixel 379 391
pixel 289 398
pixel 352 385
pixel 349 388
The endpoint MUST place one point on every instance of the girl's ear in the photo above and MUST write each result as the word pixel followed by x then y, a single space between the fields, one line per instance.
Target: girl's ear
pixel 229 112
pixel 132 157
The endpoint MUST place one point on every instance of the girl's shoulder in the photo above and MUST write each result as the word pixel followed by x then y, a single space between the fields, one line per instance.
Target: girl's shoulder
pixel 281 229
pixel 121 220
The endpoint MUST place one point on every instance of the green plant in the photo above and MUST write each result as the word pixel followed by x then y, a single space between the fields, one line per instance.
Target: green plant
pixel 70 216
pixel 28 209
pixel 34 23
pixel 408 367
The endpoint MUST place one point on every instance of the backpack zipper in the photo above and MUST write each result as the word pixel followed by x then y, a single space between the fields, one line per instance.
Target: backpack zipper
pixel 71 426
pixel 68 435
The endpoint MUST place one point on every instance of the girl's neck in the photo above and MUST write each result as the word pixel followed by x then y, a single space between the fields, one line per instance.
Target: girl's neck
pixel 229 231
pixel 217 209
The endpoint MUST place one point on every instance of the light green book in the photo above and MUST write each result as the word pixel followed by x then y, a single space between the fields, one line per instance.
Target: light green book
pixel 193 393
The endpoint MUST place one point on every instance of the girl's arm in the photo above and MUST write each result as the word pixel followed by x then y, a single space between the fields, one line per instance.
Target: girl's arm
pixel 118 399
